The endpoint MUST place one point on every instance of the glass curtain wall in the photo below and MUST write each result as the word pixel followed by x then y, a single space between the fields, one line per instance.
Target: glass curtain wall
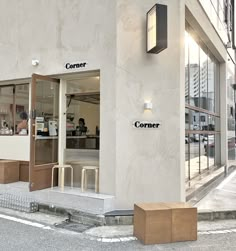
pixel 231 111
pixel 200 114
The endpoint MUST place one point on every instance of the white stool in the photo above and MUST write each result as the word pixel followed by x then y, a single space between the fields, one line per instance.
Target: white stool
pixel 84 177
pixel 62 168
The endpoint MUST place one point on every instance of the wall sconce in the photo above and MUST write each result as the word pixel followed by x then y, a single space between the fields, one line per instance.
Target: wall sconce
pixel 35 62
pixel 156 22
pixel 147 105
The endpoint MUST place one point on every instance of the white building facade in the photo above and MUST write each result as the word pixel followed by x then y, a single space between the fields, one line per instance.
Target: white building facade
pixel 77 41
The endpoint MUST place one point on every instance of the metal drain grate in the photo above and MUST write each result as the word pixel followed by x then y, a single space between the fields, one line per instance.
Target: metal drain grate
pixel 73 226
pixel 18 202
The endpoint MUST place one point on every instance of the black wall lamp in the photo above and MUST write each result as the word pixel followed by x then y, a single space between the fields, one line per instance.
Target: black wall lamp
pixel 156 28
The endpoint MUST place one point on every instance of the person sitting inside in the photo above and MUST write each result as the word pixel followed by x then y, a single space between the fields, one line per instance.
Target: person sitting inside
pixel 81 129
pixel 22 127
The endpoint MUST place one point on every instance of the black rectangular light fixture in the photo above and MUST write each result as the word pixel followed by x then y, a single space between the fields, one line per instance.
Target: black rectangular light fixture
pixel 156 28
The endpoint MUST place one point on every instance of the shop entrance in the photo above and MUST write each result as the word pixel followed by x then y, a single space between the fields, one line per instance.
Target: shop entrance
pixel 82 129
pixel 43 131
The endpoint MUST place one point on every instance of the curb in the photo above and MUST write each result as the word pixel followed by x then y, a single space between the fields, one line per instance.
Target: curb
pixel 121 219
pixel 74 215
pixel 212 215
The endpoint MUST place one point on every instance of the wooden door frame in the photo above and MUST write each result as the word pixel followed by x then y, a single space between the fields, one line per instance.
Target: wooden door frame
pixel 32 167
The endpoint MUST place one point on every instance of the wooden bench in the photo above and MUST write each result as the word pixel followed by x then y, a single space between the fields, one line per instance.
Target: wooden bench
pixel 156 223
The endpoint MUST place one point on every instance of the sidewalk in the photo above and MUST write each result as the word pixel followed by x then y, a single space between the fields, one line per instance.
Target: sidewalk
pixel 220 203
pixel 222 198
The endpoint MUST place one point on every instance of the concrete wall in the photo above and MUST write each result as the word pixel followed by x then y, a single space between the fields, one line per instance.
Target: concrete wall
pixel 57 32
pixel 15 147
pixel 149 161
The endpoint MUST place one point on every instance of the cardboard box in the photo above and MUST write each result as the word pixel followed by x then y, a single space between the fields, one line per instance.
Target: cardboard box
pixel 152 223
pixel 184 222
pixel 9 171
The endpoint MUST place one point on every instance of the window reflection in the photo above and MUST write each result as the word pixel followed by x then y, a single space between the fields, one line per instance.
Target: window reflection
pixel 204 121
pixel 186 67
pixel 203 155
pixel 211 123
pixel 193 72
pixel 210 149
pixel 201 91
pixel 194 155
pixel 211 85
pixel 187 141
pixel 187 119
pixel 194 120
pixel 203 79
pixel 22 108
pixel 6 110
pixel 231 111
pixel 200 71
pixel 231 148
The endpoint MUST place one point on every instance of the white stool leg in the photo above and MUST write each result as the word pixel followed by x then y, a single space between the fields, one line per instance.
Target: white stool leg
pixel 62 177
pixel 82 180
pixel 96 180
pixel 86 179
pixel 71 169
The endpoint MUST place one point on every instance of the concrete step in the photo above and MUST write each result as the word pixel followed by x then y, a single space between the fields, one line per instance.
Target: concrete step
pixel 72 199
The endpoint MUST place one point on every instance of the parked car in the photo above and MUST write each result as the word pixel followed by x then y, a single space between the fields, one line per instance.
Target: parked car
pixel 210 144
pixel 197 137
pixel 188 140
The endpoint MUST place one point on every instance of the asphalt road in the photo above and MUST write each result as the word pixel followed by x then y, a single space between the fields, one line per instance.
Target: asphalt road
pixel 19 236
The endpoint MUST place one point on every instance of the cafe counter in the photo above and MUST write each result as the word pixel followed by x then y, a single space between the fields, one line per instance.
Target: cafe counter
pixel 82 142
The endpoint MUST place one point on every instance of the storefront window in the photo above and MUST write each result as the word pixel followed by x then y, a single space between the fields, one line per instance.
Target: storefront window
pixel 210 149
pixel 21 109
pixel 231 111
pixel 6 110
pixel 211 85
pixel 14 109
pixel 203 154
pixel 186 68
pixel 211 123
pixel 204 121
pixel 194 120
pixel 187 169
pixel 187 115
pixel 194 155
pixel 193 72
pixel 203 79
pixel 231 148
pixel 201 120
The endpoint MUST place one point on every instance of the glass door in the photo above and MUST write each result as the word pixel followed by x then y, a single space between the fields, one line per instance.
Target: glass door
pixel 44 131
